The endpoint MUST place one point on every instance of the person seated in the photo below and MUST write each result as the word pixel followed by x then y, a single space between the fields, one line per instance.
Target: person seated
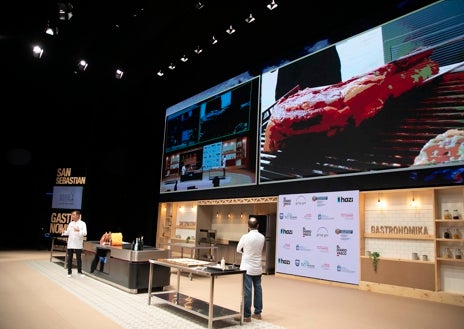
pixel 100 254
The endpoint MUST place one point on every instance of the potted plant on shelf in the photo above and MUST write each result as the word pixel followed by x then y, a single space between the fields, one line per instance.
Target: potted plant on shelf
pixel 375 258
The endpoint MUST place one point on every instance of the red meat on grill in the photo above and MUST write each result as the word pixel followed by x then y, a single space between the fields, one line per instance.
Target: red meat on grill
pixel 332 108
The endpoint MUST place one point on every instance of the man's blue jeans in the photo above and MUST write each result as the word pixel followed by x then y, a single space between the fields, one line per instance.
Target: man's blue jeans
pixel 253 283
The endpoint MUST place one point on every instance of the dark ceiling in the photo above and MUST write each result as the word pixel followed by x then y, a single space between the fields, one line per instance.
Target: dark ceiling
pixel 48 97
pixel 56 117
pixel 143 36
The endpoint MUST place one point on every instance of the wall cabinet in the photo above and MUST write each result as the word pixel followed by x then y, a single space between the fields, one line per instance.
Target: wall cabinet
pixel 449 243
pixel 407 227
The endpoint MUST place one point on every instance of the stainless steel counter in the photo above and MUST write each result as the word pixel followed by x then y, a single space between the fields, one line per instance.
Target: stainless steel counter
pixel 125 253
pixel 125 268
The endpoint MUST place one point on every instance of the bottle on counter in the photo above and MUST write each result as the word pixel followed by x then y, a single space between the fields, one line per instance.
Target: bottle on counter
pixel 136 246
pixel 223 264
pixel 141 243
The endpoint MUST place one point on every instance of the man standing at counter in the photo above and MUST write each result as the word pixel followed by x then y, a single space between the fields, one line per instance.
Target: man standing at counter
pixel 76 231
pixel 251 247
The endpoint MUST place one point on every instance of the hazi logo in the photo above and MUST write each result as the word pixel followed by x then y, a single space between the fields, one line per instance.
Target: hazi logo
pixel 286 232
pixel 283 261
pixel 341 199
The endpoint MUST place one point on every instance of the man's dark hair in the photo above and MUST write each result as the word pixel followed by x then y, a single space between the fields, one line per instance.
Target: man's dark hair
pixel 253 223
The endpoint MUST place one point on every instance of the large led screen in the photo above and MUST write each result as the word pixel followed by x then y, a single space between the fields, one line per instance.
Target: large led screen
pixel 210 139
pixel 390 98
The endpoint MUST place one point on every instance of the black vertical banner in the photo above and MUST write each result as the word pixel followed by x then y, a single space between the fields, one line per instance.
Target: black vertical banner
pixel 68 193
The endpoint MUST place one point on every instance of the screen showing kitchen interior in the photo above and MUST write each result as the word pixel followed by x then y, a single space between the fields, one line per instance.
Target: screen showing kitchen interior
pixel 210 139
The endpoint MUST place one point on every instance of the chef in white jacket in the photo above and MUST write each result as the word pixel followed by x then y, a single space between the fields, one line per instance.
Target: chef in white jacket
pixel 76 231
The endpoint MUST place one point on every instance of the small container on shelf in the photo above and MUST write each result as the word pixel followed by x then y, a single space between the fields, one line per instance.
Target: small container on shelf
pixel 456 214
pixel 448 253
pixel 458 253
pixel 447 214
pixel 456 233
pixel 447 233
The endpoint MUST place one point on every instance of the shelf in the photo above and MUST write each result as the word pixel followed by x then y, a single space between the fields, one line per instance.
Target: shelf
pixel 399 236
pixel 185 227
pixel 452 241
pixel 457 221
pixel 451 260
pixel 196 306
pixel 404 260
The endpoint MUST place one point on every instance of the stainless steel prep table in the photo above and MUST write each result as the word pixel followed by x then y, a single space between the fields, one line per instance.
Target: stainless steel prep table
pixel 191 247
pixel 204 309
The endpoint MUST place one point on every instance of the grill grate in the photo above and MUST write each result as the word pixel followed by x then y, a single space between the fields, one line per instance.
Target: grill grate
pixel 390 140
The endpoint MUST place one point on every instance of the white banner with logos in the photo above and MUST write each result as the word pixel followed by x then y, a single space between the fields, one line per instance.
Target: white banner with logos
pixel 318 236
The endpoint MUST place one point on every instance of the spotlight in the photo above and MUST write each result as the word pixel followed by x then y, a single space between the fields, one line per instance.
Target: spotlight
pixel 171 66
pixel 37 51
pixel 82 65
pixel 230 30
pixel 199 5
pixel 272 5
pixel 50 30
pixel 65 11
pixel 198 50
pixel 160 73
pixel 184 58
pixel 213 40
pixel 250 19
pixel 118 74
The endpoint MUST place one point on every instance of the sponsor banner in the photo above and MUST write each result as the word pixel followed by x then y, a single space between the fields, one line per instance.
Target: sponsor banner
pixel 318 236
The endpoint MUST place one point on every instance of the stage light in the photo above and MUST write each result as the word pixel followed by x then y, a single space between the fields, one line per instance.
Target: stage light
pixel 184 58
pixel 160 73
pixel 51 30
pixel 37 51
pixel 272 5
pixel 65 11
pixel 198 50
pixel 171 66
pixel 250 19
pixel 82 65
pixel 118 74
pixel 230 30
pixel 213 40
